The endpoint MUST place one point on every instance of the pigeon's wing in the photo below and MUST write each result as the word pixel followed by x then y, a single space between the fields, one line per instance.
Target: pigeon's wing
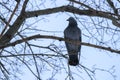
pixel 80 39
pixel 74 34
pixel 73 54
pixel 79 48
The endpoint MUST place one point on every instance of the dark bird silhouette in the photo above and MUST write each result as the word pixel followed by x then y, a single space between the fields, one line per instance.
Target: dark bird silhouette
pixel 74 33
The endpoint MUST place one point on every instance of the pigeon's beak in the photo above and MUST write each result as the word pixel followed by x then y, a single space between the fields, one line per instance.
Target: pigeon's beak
pixel 67 20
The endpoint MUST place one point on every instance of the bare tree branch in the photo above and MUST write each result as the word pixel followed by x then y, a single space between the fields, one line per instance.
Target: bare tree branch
pixel 12 30
pixel 60 39
pixel 72 9
pixel 90 12
pixel 112 6
pixel 10 19
pixel 82 4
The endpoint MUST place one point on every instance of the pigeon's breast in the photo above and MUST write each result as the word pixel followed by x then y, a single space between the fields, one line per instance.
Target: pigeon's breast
pixel 73 33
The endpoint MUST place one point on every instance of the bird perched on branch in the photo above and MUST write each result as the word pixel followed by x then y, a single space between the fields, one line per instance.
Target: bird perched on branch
pixel 74 33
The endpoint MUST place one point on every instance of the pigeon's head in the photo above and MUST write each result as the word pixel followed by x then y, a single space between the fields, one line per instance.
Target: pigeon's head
pixel 72 21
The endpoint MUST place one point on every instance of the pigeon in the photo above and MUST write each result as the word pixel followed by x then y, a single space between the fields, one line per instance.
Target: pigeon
pixel 72 32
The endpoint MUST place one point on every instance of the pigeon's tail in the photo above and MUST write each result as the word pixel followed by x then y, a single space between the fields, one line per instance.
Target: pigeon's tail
pixel 73 60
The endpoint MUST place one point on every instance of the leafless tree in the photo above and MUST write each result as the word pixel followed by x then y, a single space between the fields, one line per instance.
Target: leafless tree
pixel 24 44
